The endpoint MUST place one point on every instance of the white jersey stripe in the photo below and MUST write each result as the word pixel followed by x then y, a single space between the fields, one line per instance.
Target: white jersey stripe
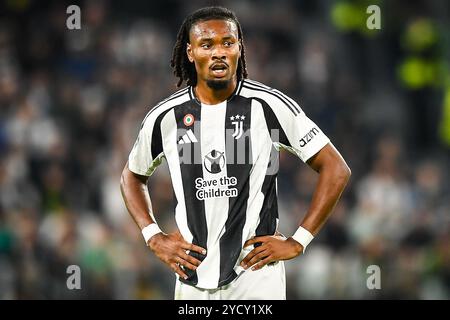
pixel 212 138
pixel 282 113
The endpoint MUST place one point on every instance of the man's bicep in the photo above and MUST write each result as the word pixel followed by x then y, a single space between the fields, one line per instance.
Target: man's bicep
pixel 131 174
pixel 325 156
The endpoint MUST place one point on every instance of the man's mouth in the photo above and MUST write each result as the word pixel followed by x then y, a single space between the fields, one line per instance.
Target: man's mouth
pixel 219 69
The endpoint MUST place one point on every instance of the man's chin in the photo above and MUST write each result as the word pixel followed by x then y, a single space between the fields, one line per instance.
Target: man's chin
pixel 218 84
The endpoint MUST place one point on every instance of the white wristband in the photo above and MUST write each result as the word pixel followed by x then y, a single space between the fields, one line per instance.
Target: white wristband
pixel 149 231
pixel 303 236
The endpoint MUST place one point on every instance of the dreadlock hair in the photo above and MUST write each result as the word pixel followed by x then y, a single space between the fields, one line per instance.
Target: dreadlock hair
pixel 182 67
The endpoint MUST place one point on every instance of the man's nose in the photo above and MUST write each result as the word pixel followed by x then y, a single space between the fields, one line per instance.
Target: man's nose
pixel 218 54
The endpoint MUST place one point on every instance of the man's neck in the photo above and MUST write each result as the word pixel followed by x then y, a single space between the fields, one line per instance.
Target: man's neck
pixel 207 95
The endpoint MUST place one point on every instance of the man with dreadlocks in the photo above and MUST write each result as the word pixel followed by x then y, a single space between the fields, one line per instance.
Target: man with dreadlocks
pixel 221 136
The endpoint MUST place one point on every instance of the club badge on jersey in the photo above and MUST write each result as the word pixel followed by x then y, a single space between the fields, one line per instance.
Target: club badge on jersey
pixel 238 122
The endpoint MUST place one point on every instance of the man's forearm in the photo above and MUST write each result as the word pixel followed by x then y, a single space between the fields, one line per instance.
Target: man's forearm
pixel 333 177
pixel 136 197
pixel 329 188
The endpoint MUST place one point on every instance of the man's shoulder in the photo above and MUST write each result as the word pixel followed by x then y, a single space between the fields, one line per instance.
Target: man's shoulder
pixel 253 84
pixel 256 86
pixel 271 96
pixel 177 98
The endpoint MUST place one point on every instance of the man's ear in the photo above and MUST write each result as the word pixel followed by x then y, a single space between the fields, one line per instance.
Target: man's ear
pixel 189 52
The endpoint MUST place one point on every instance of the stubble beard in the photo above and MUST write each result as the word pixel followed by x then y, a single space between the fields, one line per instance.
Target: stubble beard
pixel 218 84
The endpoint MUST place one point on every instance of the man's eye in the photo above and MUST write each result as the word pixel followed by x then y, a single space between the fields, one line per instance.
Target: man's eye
pixel 205 45
pixel 228 43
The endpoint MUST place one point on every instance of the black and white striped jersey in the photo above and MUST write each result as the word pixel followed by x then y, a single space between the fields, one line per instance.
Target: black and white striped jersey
pixel 223 162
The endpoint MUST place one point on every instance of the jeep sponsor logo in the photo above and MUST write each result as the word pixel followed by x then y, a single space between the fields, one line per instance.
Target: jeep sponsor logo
pixel 308 137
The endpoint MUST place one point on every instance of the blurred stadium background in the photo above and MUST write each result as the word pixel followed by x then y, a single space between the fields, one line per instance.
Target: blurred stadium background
pixel 71 102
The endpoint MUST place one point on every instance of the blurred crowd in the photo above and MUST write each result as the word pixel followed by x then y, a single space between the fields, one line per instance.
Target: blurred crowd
pixel 71 103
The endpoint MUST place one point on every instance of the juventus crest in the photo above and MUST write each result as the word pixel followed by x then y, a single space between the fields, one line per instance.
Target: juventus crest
pixel 238 122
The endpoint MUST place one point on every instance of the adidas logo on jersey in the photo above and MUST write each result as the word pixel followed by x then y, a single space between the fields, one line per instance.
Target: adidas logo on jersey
pixel 188 137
